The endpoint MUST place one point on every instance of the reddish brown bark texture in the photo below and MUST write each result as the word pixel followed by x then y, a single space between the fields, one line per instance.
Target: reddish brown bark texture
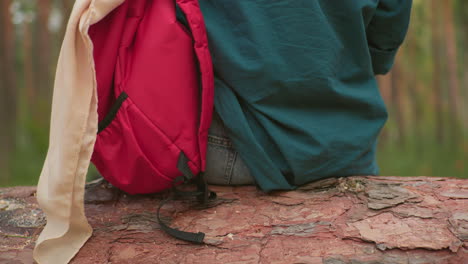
pixel 336 221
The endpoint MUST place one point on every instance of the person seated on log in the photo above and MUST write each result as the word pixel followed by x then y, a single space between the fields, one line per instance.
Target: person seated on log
pixel 296 98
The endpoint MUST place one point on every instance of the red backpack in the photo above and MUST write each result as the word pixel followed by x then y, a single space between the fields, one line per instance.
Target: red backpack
pixel 155 95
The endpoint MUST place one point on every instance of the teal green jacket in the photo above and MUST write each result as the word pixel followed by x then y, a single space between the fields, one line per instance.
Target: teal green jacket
pixel 295 82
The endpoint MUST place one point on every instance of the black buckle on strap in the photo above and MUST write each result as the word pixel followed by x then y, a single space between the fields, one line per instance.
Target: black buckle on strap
pixel 202 194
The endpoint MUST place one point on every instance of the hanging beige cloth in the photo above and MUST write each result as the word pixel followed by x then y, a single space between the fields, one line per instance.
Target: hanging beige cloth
pixel 73 132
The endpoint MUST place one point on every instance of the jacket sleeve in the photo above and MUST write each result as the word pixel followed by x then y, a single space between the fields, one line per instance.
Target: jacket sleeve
pixel 386 31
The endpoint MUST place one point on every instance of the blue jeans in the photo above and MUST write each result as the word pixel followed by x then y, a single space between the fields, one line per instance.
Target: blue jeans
pixel 224 165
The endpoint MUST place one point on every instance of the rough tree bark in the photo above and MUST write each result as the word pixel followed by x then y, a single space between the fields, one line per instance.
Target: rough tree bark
pixel 359 220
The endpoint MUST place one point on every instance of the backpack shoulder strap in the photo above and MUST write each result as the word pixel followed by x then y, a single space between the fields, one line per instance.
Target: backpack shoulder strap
pixel 194 16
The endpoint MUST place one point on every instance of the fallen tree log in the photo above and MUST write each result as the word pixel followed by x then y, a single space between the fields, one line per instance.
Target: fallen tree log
pixel 358 220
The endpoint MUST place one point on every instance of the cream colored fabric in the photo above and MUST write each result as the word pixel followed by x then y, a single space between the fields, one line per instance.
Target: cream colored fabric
pixel 72 135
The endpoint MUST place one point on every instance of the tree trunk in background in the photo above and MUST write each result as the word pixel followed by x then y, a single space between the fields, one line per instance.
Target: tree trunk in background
pixel 8 89
pixel 66 7
pixel 416 104
pixel 28 68
pixel 397 102
pixel 385 87
pixel 451 50
pixel 436 40
pixel 44 48
pixel 462 14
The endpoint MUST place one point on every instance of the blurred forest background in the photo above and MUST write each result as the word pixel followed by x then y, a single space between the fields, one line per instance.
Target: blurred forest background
pixel 426 92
